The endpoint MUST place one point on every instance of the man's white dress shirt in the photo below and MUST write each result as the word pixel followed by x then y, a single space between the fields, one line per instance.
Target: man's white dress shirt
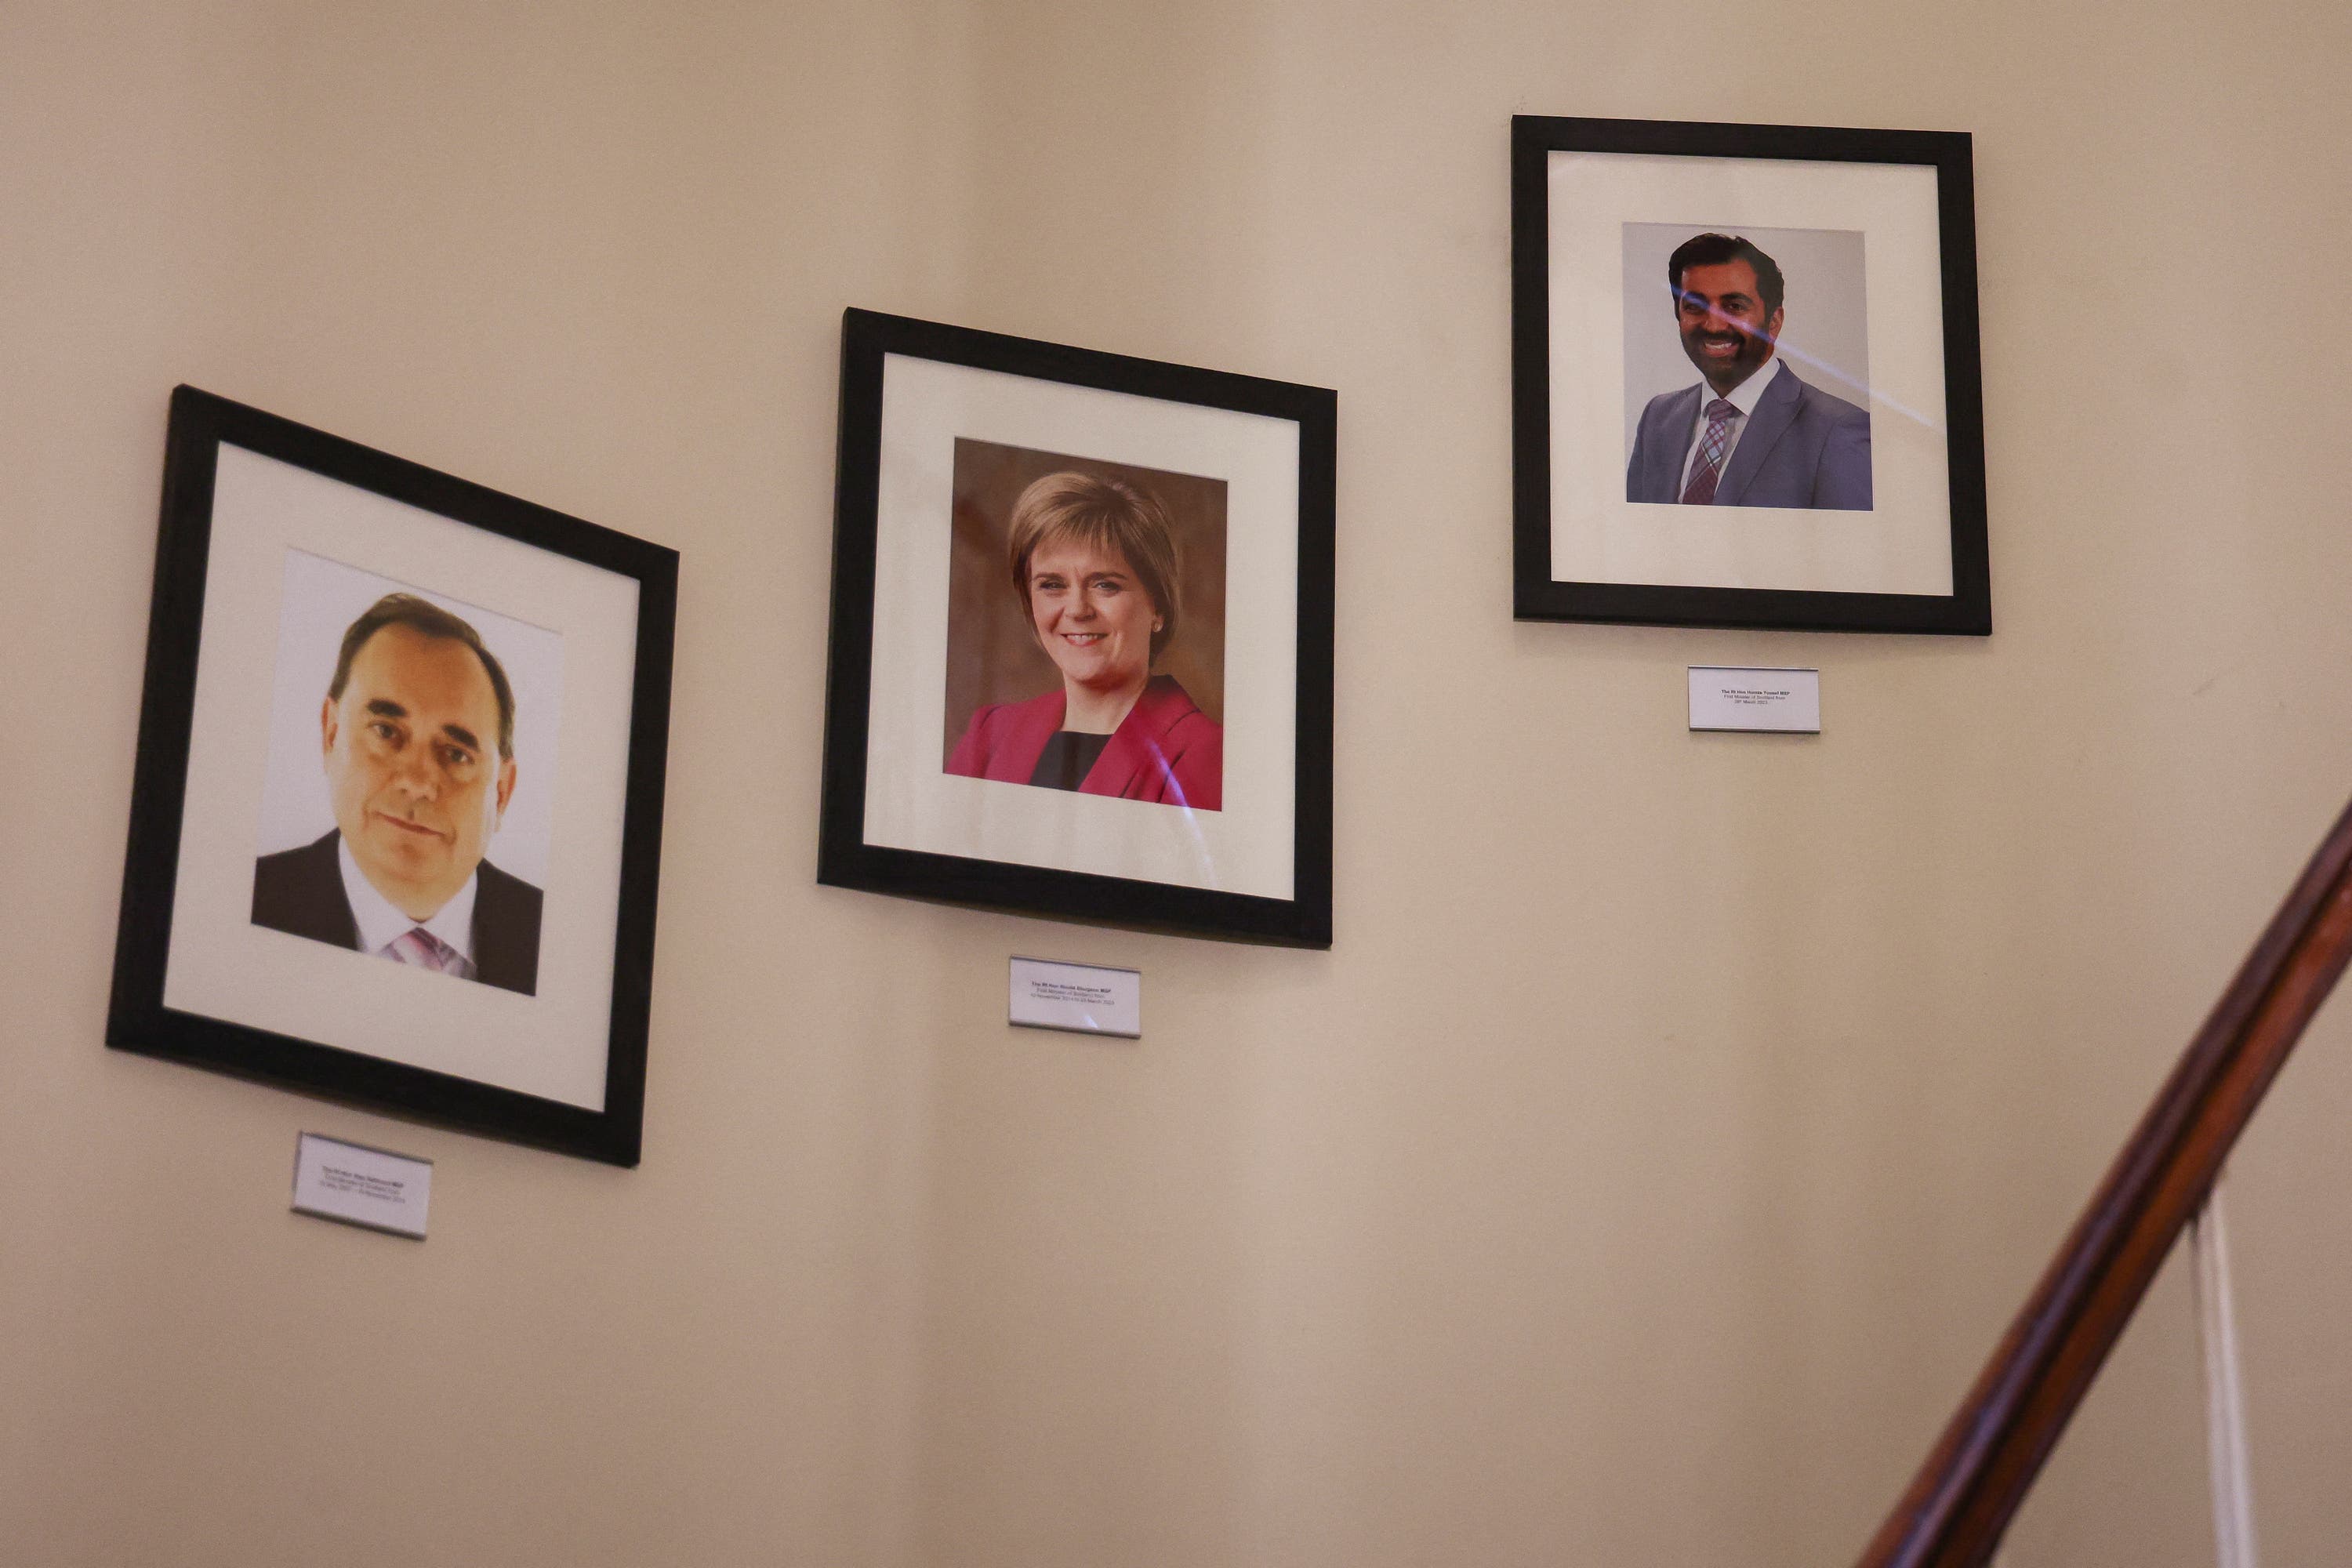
pixel 1744 398
pixel 381 923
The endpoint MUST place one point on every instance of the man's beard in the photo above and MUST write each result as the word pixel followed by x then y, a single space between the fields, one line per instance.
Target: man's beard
pixel 1752 352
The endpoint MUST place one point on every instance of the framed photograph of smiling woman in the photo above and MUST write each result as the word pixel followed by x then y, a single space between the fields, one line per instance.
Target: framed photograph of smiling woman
pixel 1081 652
pixel 1746 389
pixel 397 828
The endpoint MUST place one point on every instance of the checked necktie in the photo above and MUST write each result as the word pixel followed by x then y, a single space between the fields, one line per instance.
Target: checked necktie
pixel 1707 469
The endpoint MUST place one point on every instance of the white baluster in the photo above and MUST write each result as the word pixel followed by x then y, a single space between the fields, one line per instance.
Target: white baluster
pixel 2225 1400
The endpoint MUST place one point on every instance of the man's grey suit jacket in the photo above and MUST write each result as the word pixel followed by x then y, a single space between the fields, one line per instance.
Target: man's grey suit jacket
pixel 1802 448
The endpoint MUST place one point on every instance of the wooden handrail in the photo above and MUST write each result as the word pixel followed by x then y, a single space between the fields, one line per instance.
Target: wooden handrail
pixel 1956 1507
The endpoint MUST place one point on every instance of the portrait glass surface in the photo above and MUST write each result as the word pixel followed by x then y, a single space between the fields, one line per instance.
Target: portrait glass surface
pixel 1746 377
pixel 1086 625
pixel 406 803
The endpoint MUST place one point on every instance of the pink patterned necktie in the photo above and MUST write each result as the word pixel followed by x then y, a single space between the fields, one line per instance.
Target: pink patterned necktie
pixel 1706 472
pixel 421 948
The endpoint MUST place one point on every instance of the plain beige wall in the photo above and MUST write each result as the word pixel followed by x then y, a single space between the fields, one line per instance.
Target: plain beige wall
pixel 1677 1119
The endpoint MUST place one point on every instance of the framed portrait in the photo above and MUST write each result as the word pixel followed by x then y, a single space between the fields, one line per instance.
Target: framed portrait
pixel 1081 647
pixel 396 830
pixel 1746 384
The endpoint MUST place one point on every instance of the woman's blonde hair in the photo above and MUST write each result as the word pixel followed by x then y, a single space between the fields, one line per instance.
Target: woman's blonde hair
pixel 1109 514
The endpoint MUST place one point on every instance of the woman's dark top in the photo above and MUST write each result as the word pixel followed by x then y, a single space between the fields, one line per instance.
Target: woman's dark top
pixel 1067 758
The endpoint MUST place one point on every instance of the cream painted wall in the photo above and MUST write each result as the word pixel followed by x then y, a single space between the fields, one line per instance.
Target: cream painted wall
pixel 1676 1122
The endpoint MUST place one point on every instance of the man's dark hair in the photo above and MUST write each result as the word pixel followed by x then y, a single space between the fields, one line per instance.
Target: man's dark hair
pixel 426 616
pixel 1714 250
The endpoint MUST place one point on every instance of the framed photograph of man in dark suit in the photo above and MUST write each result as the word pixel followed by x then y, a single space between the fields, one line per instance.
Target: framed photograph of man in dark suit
pixel 396 827
pixel 1746 389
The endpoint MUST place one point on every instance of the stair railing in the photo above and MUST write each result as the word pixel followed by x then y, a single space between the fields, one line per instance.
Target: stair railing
pixel 1964 1496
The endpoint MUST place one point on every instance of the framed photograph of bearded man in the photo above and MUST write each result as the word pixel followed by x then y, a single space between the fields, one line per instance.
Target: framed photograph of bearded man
pixel 1745 382
pixel 396 824
pixel 1081 660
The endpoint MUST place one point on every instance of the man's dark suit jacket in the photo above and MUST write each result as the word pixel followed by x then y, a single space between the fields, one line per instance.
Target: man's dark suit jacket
pixel 1802 448
pixel 300 892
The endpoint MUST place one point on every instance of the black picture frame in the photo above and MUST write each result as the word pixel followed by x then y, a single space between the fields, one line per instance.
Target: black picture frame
pixel 1539 592
pixel 847 858
pixel 138 1020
